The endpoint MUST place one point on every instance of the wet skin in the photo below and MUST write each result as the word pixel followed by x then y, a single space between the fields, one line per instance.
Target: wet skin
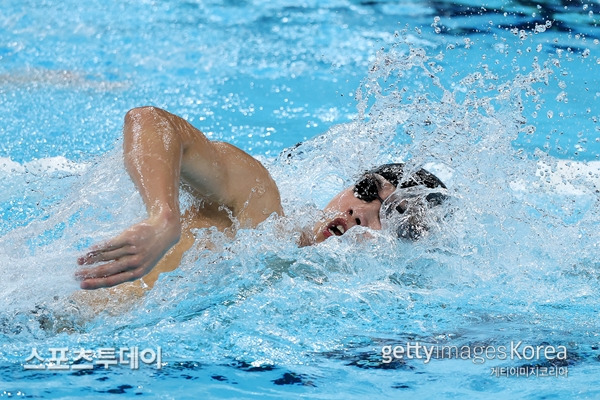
pixel 161 151
pixel 345 211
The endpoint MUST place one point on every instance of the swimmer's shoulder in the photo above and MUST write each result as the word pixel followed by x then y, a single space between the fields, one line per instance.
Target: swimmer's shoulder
pixel 255 194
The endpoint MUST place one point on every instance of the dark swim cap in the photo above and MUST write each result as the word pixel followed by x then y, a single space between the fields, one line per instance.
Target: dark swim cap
pixel 394 173
pixel 403 208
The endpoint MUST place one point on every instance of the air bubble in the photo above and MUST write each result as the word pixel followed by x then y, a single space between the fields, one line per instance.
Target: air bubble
pixel 561 97
pixel 522 34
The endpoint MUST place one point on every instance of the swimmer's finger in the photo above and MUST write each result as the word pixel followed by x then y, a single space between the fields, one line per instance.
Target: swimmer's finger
pixel 95 256
pixel 96 250
pixel 113 268
pixel 111 244
pixel 109 281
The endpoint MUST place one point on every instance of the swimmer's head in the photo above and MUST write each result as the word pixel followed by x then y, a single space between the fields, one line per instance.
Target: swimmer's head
pixel 383 198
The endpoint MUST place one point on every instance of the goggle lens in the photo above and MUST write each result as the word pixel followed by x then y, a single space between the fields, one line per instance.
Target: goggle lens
pixel 367 188
pixel 406 211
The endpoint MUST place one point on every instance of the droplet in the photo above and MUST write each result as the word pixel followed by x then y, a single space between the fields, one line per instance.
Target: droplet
pixel 522 34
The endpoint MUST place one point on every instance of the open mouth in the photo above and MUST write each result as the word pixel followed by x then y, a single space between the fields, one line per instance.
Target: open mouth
pixel 335 228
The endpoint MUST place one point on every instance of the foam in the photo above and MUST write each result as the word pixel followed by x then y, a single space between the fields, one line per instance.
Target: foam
pixel 9 166
pixel 565 177
pixel 571 177
pixel 42 166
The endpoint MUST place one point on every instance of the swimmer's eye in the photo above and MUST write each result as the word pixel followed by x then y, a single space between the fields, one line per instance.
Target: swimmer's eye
pixel 435 199
pixel 401 208
pixel 367 188
pixel 409 205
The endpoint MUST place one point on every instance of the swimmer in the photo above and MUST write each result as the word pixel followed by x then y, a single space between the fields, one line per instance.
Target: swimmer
pixel 162 150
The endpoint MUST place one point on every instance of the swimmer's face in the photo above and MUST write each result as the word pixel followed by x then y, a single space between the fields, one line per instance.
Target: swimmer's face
pixel 346 210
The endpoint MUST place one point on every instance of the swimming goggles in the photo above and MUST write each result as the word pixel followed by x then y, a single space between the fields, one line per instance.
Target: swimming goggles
pixel 368 187
pixel 405 211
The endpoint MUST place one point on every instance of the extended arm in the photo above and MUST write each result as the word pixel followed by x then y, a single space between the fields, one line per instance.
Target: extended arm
pixel 160 149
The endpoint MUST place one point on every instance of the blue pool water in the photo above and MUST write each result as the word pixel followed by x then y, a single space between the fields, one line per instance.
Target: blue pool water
pixel 500 100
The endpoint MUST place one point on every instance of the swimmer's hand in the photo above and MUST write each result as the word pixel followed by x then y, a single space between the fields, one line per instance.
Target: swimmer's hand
pixel 129 256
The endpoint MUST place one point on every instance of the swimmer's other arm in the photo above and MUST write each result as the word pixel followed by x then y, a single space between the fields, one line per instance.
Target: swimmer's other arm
pixel 160 149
